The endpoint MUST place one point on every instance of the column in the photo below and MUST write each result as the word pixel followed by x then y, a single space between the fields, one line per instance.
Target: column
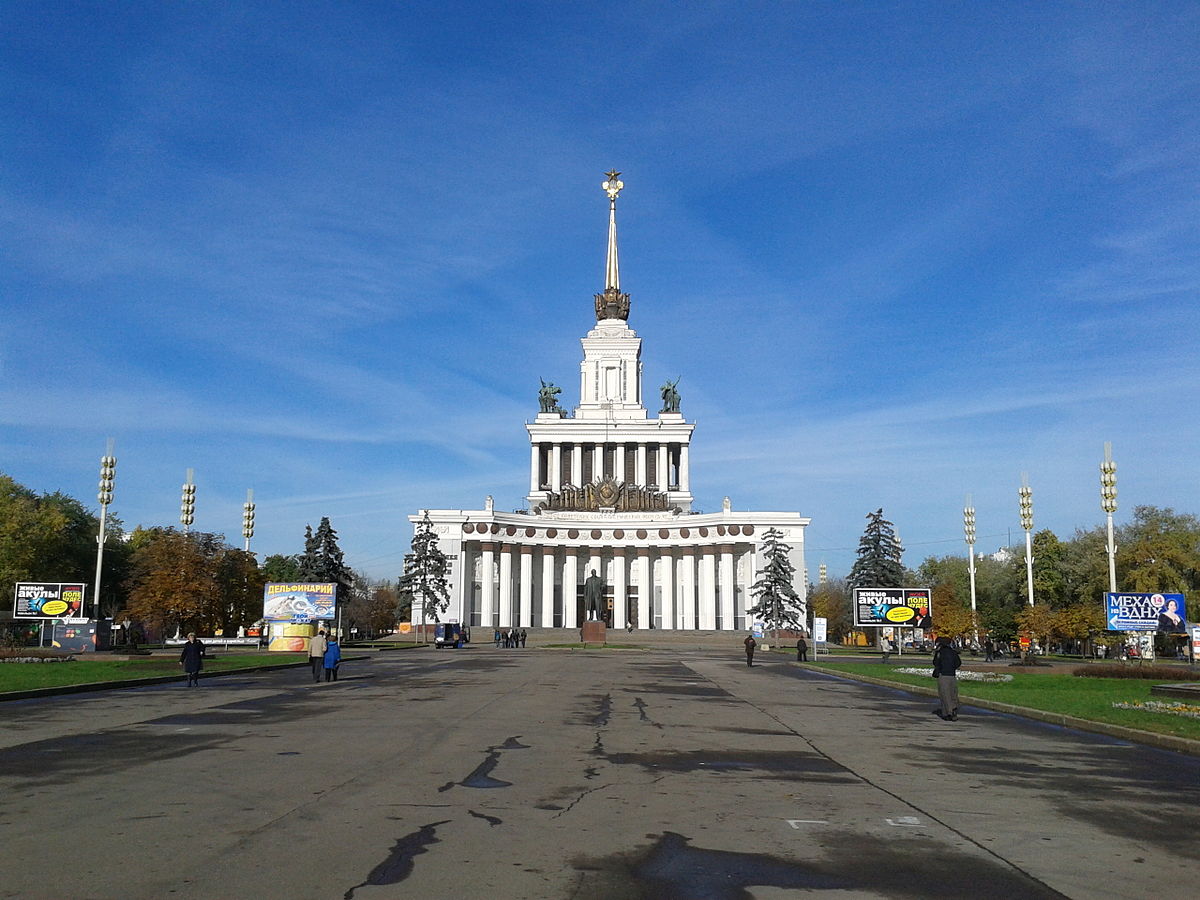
pixel 533 467
pixel 640 477
pixel 667 580
pixel 684 477
pixel 645 613
pixel 619 597
pixel 661 467
pixel 727 591
pixel 556 468
pixel 525 612
pixel 619 462
pixel 570 587
pixel 687 588
pixel 506 619
pixel 487 577
pixel 577 465
pixel 708 589
pixel 597 462
pixel 547 587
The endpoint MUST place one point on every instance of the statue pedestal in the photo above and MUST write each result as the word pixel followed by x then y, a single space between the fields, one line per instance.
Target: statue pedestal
pixel 594 633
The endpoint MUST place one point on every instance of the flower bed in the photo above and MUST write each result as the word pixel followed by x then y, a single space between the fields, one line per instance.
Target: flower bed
pixel 962 674
pixel 35 659
pixel 1157 706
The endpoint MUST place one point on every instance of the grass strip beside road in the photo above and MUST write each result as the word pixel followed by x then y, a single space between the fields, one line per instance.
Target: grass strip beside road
pixel 33 676
pixel 1082 698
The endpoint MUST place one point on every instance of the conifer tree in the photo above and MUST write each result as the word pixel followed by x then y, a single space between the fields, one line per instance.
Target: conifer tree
pixel 879 556
pixel 323 561
pixel 425 570
pixel 778 604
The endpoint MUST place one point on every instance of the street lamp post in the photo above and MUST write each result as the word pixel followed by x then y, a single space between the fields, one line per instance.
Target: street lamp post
pixel 108 472
pixel 187 505
pixel 969 534
pixel 248 517
pixel 1026 495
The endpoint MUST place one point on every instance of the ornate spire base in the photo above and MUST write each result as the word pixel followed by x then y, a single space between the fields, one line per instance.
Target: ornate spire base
pixel 612 304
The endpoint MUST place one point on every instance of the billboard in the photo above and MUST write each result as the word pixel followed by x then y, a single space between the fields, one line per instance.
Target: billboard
pixel 48 600
pixel 1145 612
pixel 820 629
pixel 889 607
pixel 299 603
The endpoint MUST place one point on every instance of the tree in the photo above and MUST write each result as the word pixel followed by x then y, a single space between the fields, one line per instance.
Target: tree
pixel 779 606
pixel 1049 570
pixel 171 580
pixel 372 608
pixel 831 601
pixel 240 587
pixel 281 569
pixel 425 570
pixel 951 616
pixel 323 561
pixel 43 537
pixel 879 556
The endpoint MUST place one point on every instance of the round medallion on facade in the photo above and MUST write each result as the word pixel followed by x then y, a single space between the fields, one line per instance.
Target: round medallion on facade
pixel 663 533
pixel 468 528
pixel 747 530
pixel 641 533
pixel 685 532
pixel 510 530
pixel 618 534
pixel 703 532
pixel 595 534
pixel 495 529
pixel 721 530
pixel 552 533
pixel 573 533
pixel 530 532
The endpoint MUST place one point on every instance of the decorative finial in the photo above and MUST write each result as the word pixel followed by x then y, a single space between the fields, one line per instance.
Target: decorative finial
pixel 612 304
pixel 612 187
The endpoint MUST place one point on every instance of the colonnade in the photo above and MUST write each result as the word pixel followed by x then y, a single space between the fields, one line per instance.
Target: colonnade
pixel 669 470
pixel 703 587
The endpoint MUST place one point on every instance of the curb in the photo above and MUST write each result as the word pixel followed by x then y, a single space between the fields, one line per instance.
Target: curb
pixel 1136 735
pixel 91 686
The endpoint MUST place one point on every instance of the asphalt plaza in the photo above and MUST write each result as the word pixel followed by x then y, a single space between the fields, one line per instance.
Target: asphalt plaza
pixel 541 773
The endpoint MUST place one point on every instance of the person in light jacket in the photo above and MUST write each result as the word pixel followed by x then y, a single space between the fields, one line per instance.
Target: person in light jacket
pixel 316 654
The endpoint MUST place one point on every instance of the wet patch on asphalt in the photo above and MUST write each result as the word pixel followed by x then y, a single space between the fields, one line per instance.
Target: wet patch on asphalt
pixel 399 862
pixel 783 765
pixel 481 776
pixel 672 868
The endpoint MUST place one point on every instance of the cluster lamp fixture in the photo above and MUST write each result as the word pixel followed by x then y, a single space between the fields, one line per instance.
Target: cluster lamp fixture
pixel 187 505
pixel 1108 503
pixel 248 517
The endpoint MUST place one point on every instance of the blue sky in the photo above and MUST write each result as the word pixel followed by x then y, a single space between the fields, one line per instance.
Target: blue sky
pixel 898 252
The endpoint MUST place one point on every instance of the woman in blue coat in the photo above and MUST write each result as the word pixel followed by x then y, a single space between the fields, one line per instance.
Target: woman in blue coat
pixel 333 658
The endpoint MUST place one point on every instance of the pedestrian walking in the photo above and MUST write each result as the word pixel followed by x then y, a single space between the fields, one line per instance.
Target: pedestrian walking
pixel 802 650
pixel 192 659
pixel 945 666
pixel 524 638
pixel 750 643
pixel 887 648
pixel 333 659
pixel 989 650
pixel 497 637
pixel 316 654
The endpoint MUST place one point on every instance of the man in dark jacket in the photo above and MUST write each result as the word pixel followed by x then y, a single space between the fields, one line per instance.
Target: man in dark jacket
pixel 192 659
pixel 750 643
pixel 945 666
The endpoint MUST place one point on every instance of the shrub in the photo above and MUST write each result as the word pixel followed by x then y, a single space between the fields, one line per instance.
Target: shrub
pixel 1155 673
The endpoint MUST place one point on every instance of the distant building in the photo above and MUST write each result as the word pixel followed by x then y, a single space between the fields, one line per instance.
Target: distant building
pixel 609 491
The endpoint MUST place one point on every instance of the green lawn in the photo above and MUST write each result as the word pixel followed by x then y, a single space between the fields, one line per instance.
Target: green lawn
pixel 27 676
pixel 1085 698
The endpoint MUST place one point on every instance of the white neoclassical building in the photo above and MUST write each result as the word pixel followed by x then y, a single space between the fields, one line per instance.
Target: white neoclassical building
pixel 609 491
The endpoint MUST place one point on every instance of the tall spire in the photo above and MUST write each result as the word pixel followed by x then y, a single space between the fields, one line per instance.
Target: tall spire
pixel 612 304
pixel 612 273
